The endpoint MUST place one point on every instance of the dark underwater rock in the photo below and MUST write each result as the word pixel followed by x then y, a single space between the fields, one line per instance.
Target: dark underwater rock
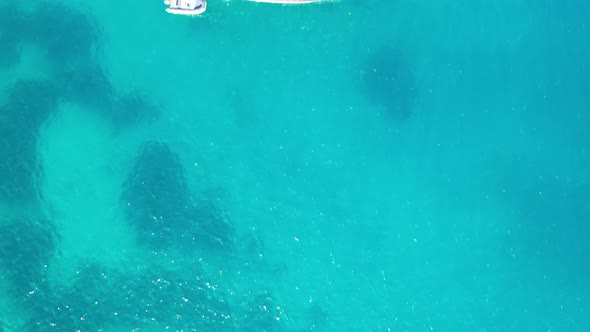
pixel 29 105
pixel 10 55
pixel 389 82
pixel 27 245
pixel 131 109
pixel 71 42
pixel 11 20
pixel 317 318
pixel 69 37
pixel 157 203
pixel 147 298
pixel 87 86
pixel 210 227
pixel 261 313
pixel 155 195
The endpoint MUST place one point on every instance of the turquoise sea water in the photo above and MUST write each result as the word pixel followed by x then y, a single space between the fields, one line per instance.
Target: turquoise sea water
pixel 347 166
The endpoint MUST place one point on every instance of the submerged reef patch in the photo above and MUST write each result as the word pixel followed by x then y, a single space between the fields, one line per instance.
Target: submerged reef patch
pixel 11 20
pixel 155 196
pixel 210 227
pixel 101 298
pixel 70 41
pixel 70 38
pixel 30 104
pixel 87 86
pixel 389 82
pixel 132 108
pixel 27 245
pixel 158 204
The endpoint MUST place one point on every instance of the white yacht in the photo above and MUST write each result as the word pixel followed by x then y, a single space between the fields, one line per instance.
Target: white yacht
pixel 186 7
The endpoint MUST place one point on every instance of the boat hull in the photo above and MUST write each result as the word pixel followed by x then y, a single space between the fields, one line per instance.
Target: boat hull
pixel 186 11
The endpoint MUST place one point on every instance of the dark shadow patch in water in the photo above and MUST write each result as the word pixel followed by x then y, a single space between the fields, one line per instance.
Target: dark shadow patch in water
pixel 317 318
pixel 157 203
pixel 71 43
pixel 131 109
pixel 87 86
pixel 30 104
pixel 27 245
pixel 241 102
pixel 262 314
pixel 389 82
pixel 155 196
pixel 11 20
pixel 150 298
pixel 69 38
pixel 10 54
pixel 210 227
